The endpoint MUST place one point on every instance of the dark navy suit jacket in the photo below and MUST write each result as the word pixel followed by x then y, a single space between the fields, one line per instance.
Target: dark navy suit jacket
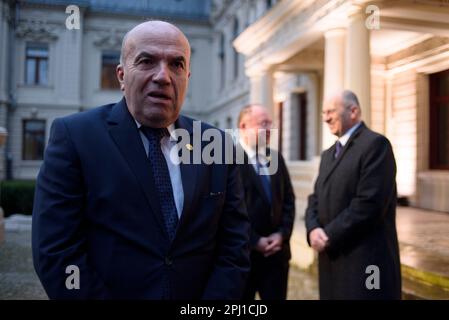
pixel 96 208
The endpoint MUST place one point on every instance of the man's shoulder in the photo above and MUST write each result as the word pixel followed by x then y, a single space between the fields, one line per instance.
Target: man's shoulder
pixel 371 137
pixel 183 119
pixel 88 116
pixel 192 123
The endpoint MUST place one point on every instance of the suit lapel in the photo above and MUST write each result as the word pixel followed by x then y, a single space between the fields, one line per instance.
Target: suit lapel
pixel 332 163
pixel 125 134
pixel 189 172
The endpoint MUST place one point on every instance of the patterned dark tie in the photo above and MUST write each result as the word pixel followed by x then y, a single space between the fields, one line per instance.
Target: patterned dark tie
pixel 264 179
pixel 162 178
pixel 338 147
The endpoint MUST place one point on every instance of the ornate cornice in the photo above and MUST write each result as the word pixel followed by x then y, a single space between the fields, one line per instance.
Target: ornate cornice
pixel 35 30
pixel 109 39
pixel 418 51
pixel 283 22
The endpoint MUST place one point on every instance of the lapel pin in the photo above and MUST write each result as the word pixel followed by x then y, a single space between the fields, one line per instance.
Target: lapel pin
pixel 189 147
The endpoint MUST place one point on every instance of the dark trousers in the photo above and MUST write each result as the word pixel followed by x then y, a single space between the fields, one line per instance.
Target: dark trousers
pixel 268 277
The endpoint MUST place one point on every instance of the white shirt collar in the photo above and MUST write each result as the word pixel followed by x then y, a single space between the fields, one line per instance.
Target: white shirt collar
pixel 251 152
pixel 344 138
pixel 170 128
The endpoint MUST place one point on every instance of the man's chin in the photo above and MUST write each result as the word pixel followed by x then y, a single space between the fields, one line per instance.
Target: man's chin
pixel 159 120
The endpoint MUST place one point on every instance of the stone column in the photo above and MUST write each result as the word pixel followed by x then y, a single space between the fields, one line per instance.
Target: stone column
pixel 334 72
pixel 261 88
pixel 358 61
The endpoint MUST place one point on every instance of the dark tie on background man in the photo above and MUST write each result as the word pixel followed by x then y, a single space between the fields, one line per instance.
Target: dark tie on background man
pixel 264 179
pixel 162 178
pixel 338 147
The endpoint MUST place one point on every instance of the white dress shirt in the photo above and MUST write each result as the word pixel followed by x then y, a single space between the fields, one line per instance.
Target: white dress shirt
pixel 252 156
pixel 344 138
pixel 167 143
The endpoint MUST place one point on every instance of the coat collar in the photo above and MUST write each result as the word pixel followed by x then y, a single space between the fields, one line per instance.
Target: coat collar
pixel 328 157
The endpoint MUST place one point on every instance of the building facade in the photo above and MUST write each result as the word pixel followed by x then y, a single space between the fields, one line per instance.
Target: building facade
pixel 285 54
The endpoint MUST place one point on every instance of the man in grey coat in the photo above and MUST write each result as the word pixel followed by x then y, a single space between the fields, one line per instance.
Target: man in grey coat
pixel 350 218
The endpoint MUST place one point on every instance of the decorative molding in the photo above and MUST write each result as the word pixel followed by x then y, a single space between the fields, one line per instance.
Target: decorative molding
pixel 36 30
pixel 420 56
pixel 283 23
pixel 417 49
pixel 109 39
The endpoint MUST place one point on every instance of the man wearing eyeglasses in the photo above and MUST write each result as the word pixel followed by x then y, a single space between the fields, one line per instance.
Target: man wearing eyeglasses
pixel 270 203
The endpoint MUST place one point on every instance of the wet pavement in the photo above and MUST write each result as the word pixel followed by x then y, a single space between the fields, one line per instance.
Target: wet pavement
pixel 424 245
pixel 18 281
pixel 423 237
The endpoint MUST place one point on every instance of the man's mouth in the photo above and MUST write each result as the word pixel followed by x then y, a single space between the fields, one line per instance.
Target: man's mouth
pixel 159 95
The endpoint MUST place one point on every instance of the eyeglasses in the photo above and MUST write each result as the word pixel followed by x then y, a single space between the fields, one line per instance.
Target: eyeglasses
pixel 325 113
pixel 266 124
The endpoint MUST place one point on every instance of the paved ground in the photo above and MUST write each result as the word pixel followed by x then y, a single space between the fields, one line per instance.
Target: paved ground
pixel 423 235
pixel 424 238
pixel 18 280
pixel 17 277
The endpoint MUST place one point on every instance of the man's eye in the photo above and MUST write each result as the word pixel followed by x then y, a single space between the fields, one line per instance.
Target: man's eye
pixel 179 64
pixel 145 61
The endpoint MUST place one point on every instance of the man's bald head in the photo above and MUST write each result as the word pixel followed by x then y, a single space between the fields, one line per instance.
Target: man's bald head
pixel 154 71
pixel 131 36
pixel 248 110
pixel 341 111
pixel 252 119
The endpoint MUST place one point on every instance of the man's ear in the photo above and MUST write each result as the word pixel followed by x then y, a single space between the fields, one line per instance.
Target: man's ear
pixel 354 112
pixel 120 76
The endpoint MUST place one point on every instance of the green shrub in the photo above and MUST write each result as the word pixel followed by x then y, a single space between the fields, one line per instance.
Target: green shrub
pixel 16 196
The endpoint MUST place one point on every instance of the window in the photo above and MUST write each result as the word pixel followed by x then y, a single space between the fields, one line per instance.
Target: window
pixel 281 125
pixel 36 64
pixel 221 56
pixel 109 62
pixel 236 54
pixel 228 123
pixel 302 126
pixel 33 142
pixel 269 4
pixel 439 120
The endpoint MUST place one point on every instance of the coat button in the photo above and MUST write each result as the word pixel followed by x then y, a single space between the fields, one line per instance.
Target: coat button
pixel 168 262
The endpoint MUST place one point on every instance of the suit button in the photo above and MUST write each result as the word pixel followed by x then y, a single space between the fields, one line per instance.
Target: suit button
pixel 168 262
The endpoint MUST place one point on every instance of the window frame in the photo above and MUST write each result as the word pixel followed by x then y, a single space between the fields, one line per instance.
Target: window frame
pixel 434 100
pixel 38 62
pixel 102 65
pixel 24 137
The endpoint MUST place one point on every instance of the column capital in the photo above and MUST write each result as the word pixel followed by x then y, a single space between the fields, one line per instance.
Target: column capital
pixel 335 32
pixel 356 11
pixel 257 70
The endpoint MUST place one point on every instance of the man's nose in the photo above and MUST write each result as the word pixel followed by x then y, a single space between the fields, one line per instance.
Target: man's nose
pixel 162 74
